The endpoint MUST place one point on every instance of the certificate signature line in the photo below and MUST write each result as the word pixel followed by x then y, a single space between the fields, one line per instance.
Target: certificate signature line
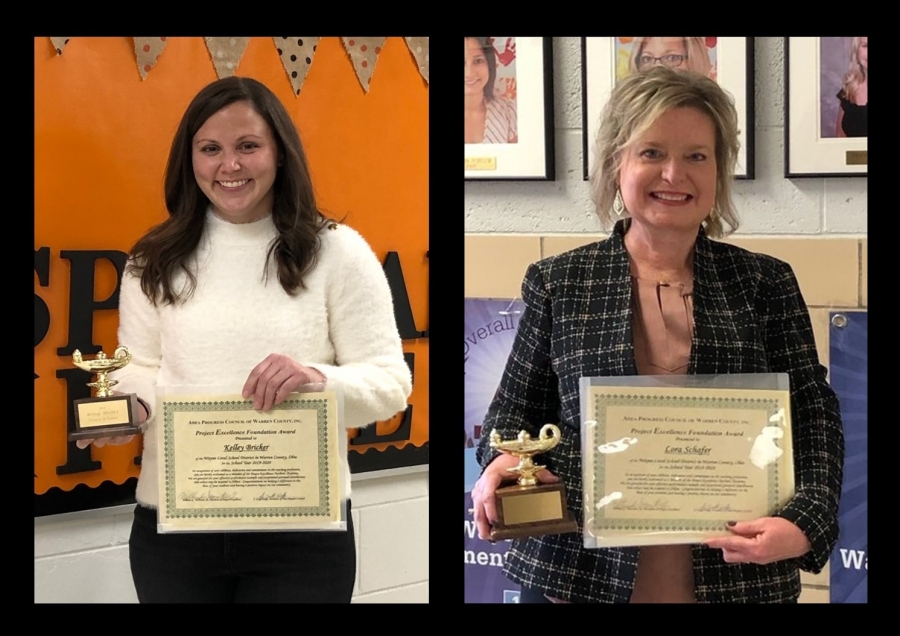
pixel 209 495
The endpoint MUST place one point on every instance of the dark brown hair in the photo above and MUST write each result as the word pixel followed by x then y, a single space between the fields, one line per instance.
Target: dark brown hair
pixel 167 249
pixel 487 47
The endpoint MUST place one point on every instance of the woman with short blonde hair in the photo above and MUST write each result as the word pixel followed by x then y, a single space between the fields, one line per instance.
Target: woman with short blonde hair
pixel 641 104
pixel 660 297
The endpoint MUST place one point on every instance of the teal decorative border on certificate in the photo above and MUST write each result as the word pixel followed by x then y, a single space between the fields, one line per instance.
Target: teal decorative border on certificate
pixel 602 402
pixel 324 509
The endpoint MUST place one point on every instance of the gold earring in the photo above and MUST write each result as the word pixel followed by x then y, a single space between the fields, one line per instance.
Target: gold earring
pixel 618 203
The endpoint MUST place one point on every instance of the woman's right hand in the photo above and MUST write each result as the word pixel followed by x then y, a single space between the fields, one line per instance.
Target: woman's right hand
pixel 100 442
pixel 484 503
pixel 118 440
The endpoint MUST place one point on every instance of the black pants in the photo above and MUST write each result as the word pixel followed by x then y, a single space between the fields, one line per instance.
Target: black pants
pixel 241 567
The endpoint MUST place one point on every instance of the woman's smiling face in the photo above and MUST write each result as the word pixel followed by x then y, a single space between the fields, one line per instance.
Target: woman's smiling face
pixel 477 72
pixel 668 174
pixel 235 159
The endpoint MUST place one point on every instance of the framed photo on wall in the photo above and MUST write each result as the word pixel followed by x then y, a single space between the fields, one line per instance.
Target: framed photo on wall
pixel 729 61
pixel 509 109
pixel 826 107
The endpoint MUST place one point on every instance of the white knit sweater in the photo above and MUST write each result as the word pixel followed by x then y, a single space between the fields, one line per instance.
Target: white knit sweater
pixel 342 324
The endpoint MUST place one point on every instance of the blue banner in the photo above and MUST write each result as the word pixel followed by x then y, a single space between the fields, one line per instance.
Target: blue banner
pixel 490 327
pixel 849 378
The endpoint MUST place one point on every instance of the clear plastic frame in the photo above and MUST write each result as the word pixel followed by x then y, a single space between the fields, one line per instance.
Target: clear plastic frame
pixel 671 459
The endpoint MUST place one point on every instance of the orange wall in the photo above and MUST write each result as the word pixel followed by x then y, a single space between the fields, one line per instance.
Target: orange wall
pixel 102 136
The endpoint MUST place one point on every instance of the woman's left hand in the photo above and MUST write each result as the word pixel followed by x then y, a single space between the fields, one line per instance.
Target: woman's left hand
pixel 274 378
pixel 761 541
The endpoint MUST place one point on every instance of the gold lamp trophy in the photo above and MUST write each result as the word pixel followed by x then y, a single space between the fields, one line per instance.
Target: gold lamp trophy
pixel 105 415
pixel 530 508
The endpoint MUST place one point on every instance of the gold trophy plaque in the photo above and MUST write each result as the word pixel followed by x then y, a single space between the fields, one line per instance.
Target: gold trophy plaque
pixel 105 415
pixel 530 508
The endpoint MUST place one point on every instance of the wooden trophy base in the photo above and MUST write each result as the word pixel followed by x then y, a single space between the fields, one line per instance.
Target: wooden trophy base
pixel 529 511
pixel 105 417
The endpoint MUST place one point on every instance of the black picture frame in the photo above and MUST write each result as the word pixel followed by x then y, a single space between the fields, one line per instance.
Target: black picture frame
pixel 811 147
pixel 531 157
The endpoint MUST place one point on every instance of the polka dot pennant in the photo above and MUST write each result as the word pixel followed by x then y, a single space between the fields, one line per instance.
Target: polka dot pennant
pixel 364 53
pixel 147 51
pixel 296 55
pixel 59 44
pixel 419 48
pixel 226 54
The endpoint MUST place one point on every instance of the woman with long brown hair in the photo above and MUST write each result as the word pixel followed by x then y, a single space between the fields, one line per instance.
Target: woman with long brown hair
pixel 248 284
pixel 490 118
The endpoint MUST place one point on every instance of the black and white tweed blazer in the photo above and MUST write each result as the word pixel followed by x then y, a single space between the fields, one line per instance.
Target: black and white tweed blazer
pixel 749 317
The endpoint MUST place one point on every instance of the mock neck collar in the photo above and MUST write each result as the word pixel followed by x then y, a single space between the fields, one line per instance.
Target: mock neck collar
pixel 259 232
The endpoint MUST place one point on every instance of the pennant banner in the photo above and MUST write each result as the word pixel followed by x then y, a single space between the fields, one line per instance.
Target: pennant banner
pixel 147 51
pixel 296 56
pixel 363 53
pixel 59 44
pixel 226 54
pixel 419 48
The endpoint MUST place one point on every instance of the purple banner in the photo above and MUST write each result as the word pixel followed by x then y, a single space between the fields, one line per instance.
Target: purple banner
pixel 490 327
pixel 848 359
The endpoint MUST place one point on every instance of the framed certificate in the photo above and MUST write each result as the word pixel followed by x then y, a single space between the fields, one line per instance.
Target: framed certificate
pixel 224 466
pixel 671 459
pixel 826 107
pixel 517 143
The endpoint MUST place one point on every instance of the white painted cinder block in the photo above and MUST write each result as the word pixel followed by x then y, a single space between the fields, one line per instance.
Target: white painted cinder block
pixel 539 207
pixel 417 593
pixel 567 83
pixel 769 81
pixel 771 204
pixel 393 545
pixel 369 492
pixel 72 536
pixel 94 576
pixel 846 205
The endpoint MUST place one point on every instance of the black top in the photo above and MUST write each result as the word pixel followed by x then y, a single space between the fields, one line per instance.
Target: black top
pixel 855 117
